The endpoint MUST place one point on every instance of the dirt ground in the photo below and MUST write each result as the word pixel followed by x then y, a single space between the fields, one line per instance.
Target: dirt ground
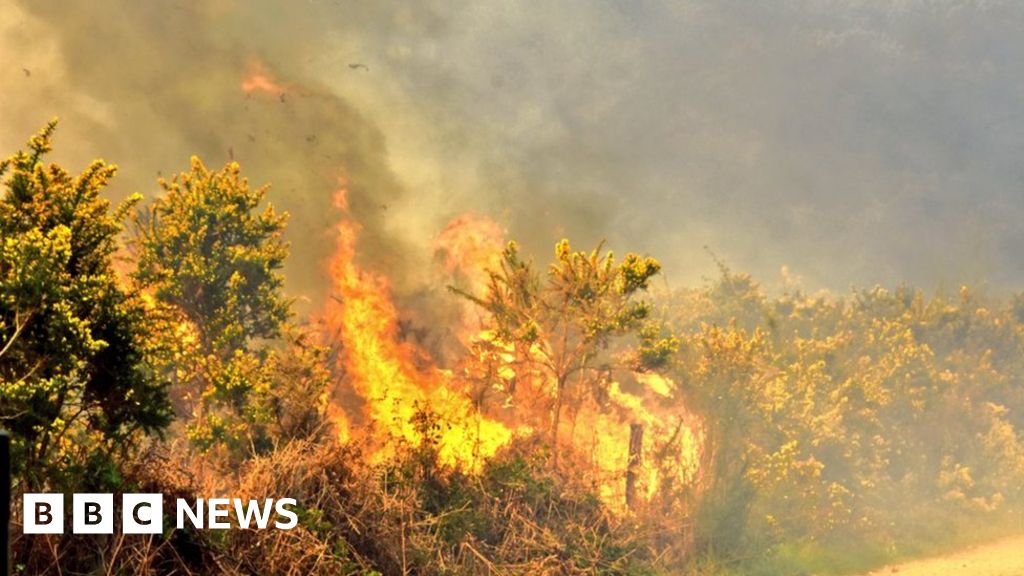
pixel 1001 558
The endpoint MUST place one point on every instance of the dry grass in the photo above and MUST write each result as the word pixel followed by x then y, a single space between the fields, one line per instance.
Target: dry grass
pixel 408 516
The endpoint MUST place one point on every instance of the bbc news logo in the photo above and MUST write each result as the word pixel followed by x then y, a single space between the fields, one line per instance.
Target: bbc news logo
pixel 143 513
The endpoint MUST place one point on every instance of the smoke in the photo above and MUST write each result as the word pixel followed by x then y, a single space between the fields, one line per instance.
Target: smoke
pixel 858 143
pixel 146 86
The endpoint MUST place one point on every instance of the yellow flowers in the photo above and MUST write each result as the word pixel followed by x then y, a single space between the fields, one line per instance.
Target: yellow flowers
pixel 839 407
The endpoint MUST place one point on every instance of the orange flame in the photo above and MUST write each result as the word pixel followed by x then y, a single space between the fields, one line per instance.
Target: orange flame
pixel 465 250
pixel 383 370
pixel 468 246
pixel 258 79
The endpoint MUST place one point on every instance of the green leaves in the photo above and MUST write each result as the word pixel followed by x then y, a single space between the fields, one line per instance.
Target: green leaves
pixel 205 249
pixel 72 348
pixel 568 332
pixel 212 260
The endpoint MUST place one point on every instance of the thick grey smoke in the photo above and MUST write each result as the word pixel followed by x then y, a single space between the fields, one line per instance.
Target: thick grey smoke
pixel 856 142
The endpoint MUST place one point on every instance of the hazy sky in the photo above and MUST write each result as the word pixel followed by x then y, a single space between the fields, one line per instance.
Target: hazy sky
pixel 855 142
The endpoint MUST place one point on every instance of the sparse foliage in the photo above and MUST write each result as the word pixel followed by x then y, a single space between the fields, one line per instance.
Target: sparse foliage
pixel 573 329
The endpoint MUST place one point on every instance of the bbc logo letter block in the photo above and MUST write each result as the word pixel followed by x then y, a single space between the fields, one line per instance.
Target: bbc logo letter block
pixel 43 513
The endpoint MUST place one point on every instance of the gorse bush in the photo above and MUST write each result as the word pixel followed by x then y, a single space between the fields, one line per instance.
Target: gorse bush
pixel 211 265
pixel 860 418
pixel 77 379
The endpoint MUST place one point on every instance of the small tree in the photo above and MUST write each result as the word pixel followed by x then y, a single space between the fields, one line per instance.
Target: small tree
pixel 74 369
pixel 204 249
pixel 562 329
pixel 212 263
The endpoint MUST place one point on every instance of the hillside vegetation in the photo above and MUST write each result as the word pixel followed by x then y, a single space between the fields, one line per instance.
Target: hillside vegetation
pixel 572 420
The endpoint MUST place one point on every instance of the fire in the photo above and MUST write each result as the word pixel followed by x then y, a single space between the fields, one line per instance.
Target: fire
pixel 599 441
pixel 258 79
pixel 467 247
pixel 465 250
pixel 384 373
pixel 603 438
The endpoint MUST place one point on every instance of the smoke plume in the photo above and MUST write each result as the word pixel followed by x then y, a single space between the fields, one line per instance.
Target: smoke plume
pixel 855 142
